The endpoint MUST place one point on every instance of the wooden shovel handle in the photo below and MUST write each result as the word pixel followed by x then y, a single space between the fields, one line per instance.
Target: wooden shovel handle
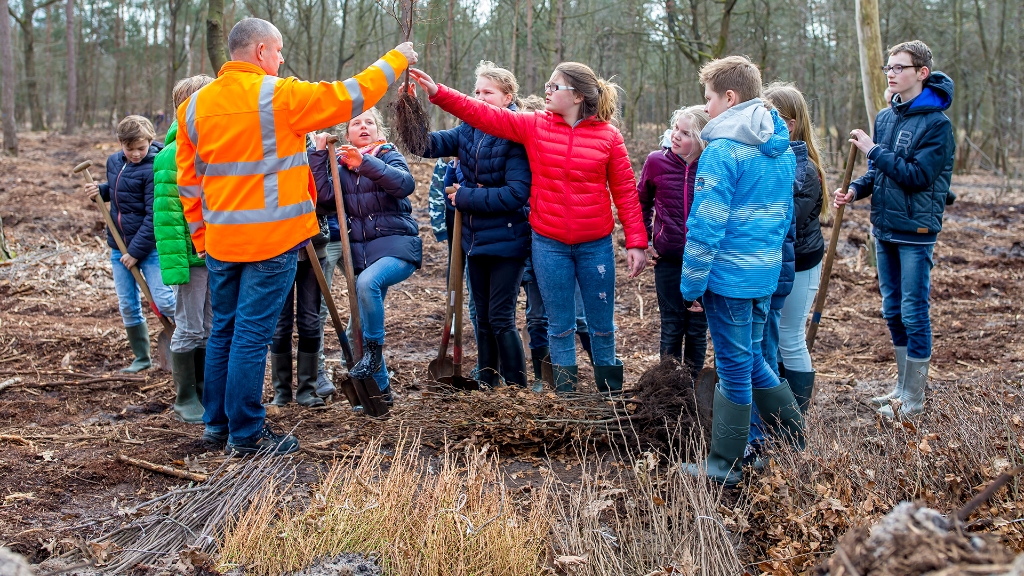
pixel 458 268
pixel 346 250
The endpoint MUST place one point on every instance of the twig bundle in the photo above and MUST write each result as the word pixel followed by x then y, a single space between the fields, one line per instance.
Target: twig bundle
pixel 411 124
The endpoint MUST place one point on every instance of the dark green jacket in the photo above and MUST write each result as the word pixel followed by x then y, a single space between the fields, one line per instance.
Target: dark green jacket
pixel 173 241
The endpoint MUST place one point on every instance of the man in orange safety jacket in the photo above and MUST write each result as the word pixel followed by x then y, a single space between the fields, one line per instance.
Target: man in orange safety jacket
pixel 248 197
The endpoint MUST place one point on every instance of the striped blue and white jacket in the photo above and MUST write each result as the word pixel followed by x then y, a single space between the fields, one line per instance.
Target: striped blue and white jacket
pixel 742 207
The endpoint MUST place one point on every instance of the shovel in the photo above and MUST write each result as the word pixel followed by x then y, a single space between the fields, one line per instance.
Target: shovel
pixel 163 341
pixel 348 387
pixel 442 366
pixel 830 254
pixel 457 380
pixel 366 390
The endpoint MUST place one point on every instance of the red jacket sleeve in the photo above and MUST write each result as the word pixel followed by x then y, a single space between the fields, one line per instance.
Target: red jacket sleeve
pixel 622 182
pixel 500 122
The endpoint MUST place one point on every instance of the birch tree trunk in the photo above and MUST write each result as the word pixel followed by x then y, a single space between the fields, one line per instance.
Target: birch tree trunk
pixel 869 38
pixel 215 34
pixel 7 73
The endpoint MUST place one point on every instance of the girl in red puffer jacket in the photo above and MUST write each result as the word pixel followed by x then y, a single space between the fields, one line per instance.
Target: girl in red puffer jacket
pixel 576 156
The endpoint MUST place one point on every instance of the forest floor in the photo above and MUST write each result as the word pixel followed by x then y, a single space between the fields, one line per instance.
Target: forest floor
pixel 66 413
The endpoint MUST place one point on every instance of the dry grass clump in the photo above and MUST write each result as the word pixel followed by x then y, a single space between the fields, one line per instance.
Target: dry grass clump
pixel 850 475
pixel 651 518
pixel 451 515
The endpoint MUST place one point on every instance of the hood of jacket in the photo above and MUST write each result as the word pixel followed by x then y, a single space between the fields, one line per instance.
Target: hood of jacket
pixel 937 96
pixel 747 123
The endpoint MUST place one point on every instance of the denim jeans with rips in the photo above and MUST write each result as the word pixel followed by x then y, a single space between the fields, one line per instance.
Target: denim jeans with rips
pixel 247 301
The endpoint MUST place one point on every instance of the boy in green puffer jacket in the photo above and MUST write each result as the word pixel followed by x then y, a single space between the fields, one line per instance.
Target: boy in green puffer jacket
pixel 184 270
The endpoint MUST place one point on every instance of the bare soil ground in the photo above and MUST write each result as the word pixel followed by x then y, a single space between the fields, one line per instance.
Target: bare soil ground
pixel 70 413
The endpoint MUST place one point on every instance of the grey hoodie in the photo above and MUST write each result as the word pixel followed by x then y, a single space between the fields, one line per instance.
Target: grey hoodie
pixel 747 123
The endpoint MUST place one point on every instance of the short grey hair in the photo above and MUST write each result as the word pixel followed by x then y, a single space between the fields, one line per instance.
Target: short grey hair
pixel 249 31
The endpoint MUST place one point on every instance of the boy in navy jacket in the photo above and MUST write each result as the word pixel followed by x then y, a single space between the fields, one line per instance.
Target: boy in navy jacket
pixel 911 162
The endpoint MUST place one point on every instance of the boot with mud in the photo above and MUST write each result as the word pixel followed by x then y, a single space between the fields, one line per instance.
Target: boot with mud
pixel 802 385
pixel 369 364
pixel 138 339
pixel 609 378
pixel 566 378
pixel 911 402
pixel 305 374
pixel 539 356
pixel 780 411
pixel 281 377
pixel 512 360
pixel 901 372
pixel 187 406
pixel 730 424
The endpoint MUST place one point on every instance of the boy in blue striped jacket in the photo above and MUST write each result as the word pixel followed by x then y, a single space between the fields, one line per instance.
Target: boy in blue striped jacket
pixel 742 207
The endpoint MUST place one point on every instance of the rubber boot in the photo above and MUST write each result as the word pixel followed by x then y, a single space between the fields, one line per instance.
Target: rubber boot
pixel 487 360
pixel 609 378
pixel 802 385
pixel 901 374
pixel 729 426
pixel 513 361
pixel 585 342
pixel 780 411
pixel 138 339
pixel 539 356
pixel 200 368
pixel 369 364
pixel 566 378
pixel 186 402
pixel 281 378
pixel 912 399
pixel 305 375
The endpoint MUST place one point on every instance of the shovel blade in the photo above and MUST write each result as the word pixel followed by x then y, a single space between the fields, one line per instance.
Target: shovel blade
pixel 704 391
pixel 438 369
pixel 162 354
pixel 460 382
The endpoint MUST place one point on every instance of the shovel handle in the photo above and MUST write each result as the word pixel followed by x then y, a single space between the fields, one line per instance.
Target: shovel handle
pixel 167 323
pixel 830 254
pixel 346 249
pixel 325 291
pixel 458 269
pixel 449 300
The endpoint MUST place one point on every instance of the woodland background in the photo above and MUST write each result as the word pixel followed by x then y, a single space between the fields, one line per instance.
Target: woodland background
pixel 72 64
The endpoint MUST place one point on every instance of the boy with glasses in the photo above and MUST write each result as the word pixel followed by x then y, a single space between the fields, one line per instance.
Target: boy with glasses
pixel 911 162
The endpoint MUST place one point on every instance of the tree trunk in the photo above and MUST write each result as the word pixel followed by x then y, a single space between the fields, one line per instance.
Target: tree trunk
pixel 448 71
pixel 172 50
pixel 215 34
pixel 869 38
pixel 71 104
pixel 531 75
pixel 5 251
pixel 341 42
pixel 8 78
pixel 559 44
pixel 31 83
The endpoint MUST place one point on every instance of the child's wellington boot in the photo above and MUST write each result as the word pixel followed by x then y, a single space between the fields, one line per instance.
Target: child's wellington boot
pixel 138 339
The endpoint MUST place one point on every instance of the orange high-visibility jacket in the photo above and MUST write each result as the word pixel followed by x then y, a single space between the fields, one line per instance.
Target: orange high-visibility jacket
pixel 243 175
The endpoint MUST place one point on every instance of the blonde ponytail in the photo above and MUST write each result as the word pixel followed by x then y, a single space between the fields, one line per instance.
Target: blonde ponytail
pixel 607 101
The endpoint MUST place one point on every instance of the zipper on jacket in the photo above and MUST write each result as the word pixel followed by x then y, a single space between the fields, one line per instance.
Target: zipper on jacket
pixel 114 197
pixel 568 172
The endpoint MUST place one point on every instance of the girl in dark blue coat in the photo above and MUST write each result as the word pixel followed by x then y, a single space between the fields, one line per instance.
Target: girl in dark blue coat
pixel 129 190
pixel 492 197
pixel 386 247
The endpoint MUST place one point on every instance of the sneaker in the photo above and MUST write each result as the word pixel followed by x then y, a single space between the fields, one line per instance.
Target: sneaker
pixel 213 441
pixel 278 444
pixel 324 386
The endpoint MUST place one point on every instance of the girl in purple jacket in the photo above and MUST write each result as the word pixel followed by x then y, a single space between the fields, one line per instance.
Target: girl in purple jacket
pixel 666 194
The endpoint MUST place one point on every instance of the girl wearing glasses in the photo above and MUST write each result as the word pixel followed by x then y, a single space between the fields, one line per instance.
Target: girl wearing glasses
pixel 576 155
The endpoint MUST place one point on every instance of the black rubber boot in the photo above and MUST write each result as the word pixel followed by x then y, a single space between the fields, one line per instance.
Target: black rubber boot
pixel 780 411
pixel 281 378
pixel 200 367
pixel 513 361
pixel 487 360
pixel 585 342
pixel 373 357
pixel 138 339
pixel 609 378
pixel 566 378
pixel 802 385
pixel 305 372
pixel 187 406
pixel 539 356
pixel 729 427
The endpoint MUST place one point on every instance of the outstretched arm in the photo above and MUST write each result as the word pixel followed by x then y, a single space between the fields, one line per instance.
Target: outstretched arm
pixel 500 122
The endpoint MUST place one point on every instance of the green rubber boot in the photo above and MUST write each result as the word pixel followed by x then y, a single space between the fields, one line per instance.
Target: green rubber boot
pixel 802 385
pixel 730 425
pixel 305 371
pixel 138 339
pixel 281 378
pixel 187 405
pixel 779 410
pixel 609 378
pixel 566 378
pixel 539 356
pixel 200 359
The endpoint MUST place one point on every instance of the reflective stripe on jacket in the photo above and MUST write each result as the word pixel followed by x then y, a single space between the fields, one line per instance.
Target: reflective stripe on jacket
pixel 243 175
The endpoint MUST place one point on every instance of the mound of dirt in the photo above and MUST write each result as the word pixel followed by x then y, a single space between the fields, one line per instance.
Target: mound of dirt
pixel 13 564
pixel 343 565
pixel 914 539
pixel 667 395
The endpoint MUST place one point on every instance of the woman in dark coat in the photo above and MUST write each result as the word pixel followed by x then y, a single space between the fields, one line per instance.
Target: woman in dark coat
pixel 386 247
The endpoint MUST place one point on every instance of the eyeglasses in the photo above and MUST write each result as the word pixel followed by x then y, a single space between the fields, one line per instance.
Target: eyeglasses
pixel 552 87
pixel 897 68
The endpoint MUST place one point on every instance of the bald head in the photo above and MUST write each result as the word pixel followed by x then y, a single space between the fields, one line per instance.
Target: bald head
pixel 247 34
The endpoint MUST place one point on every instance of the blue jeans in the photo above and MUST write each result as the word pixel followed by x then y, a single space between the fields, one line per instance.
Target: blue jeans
pixel 904 278
pixel 558 267
pixel 372 287
pixel 537 316
pixel 770 352
pixel 128 300
pixel 737 328
pixel 247 301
